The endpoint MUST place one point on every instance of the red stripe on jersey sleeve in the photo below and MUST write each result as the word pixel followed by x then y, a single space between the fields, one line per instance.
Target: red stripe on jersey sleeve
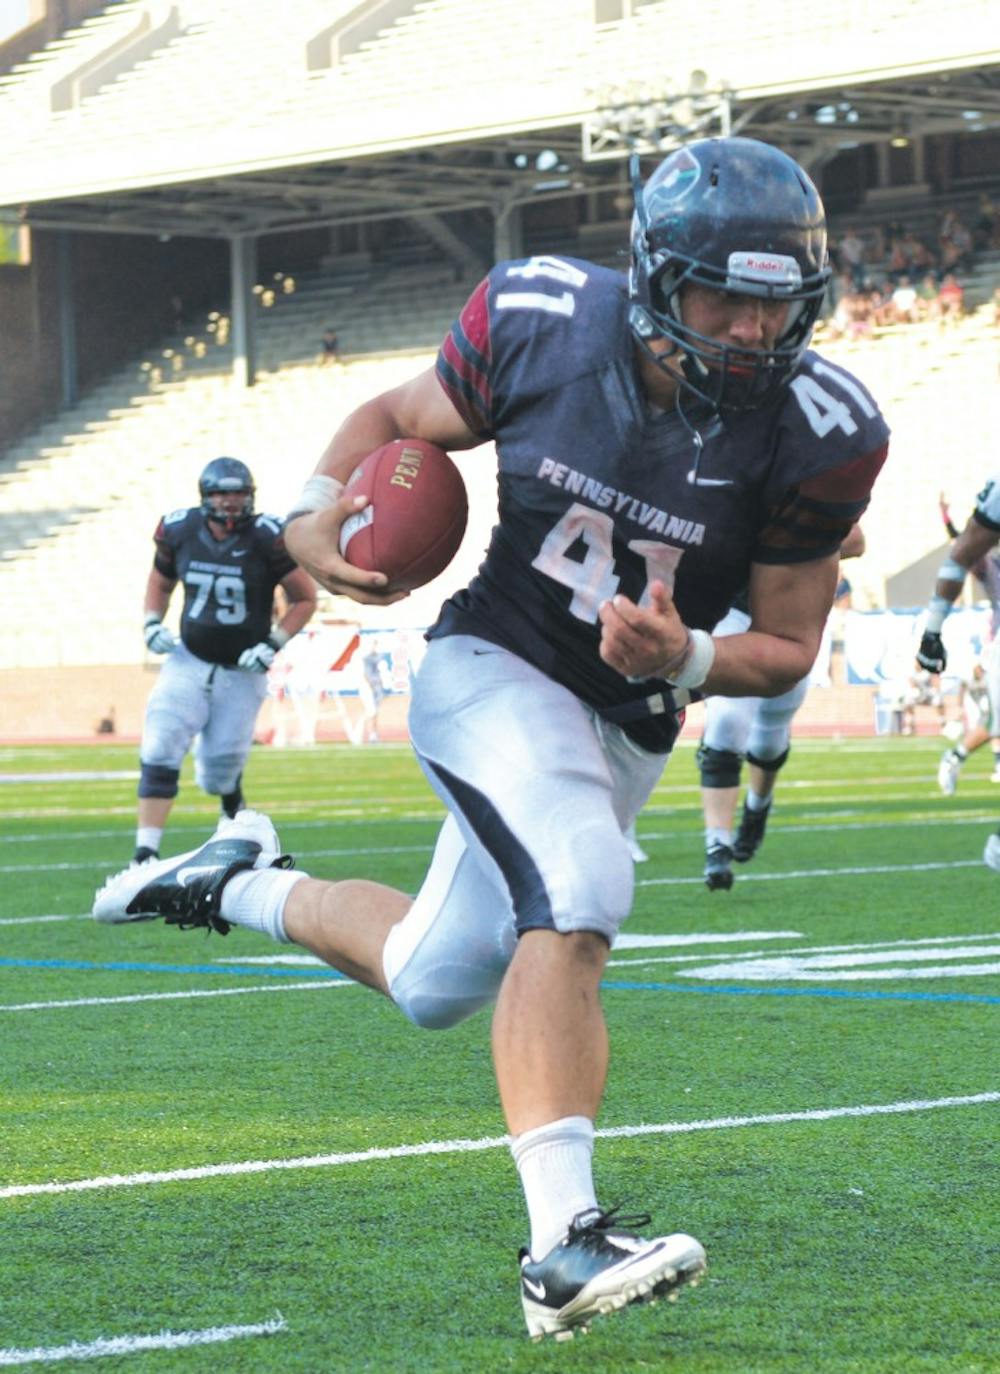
pixel 852 482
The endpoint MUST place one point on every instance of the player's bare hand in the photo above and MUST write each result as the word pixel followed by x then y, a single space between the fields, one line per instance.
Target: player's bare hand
pixel 313 540
pixel 638 641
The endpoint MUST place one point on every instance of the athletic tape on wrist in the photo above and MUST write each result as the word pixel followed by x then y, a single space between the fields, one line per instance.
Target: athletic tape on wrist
pixel 937 612
pixel 319 493
pixel 152 619
pixel 698 664
pixel 279 637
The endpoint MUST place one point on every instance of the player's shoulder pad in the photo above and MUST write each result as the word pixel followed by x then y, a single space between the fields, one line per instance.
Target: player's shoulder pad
pixel 175 517
pixel 271 524
pixel 552 317
pixel 829 414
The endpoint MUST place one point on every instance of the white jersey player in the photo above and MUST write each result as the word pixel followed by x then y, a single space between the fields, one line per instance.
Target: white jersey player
pixel 975 550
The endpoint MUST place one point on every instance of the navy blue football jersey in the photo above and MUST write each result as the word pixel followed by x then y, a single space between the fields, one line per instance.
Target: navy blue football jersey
pixel 597 489
pixel 228 583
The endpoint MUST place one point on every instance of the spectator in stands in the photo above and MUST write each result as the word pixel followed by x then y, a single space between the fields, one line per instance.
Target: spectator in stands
pixel 986 230
pixel 951 299
pixel 903 302
pixel 955 243
pixel 329 348
pixel 928 305
pixel 213 683
pixel 850 255
pixel 547 702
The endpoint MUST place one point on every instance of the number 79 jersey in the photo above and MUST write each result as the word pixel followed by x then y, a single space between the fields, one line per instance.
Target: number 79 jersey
pixel 228 583
pixel 600 493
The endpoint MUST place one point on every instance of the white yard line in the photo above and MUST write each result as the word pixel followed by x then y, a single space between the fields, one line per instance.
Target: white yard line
pixel 177 996
pixel 448 1147
pixel 132 1345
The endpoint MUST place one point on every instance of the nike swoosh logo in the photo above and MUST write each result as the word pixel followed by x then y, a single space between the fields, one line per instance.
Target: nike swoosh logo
pixel 240 553
pixel 537 1290
pixel 185 875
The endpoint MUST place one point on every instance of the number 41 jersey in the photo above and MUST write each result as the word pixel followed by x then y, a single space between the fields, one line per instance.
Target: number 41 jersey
pixel 228 583
pixel 599 492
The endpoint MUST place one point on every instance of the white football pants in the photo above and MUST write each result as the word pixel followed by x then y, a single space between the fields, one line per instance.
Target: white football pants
pixel 219 705
pixel 539 790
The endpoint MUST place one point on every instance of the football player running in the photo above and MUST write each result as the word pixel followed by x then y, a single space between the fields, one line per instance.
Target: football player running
pixel 758 729
pixel 213 680
pixel 972 551
pixel 663 442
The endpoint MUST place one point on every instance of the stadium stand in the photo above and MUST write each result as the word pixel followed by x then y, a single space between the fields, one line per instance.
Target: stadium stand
pixel 150 93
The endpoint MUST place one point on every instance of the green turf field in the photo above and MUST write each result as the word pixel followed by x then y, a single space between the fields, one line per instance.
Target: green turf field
pixel 804 1075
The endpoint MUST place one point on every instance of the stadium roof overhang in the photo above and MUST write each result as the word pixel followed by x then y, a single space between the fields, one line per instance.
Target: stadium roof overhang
pixel 499 171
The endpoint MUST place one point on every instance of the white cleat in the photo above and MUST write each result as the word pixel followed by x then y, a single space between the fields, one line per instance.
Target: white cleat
pixel 187 888
pixel 991 854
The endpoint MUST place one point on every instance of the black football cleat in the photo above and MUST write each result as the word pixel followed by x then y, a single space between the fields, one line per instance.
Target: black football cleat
pixel 187 890
pixel 718 873
pixel 601 1267
pixel 750 835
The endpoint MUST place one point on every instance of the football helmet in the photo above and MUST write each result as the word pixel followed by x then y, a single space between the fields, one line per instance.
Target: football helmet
pixel 221 476
pixel 740 216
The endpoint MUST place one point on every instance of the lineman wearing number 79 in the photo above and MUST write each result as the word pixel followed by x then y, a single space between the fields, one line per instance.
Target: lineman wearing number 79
pixel 663 442
pixel 979 538
pixel 229 560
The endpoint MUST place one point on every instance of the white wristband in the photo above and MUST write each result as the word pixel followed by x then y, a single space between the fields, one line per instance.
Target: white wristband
pixel 937 612
pixel 319 493
pixel 279 637
pixel 698 664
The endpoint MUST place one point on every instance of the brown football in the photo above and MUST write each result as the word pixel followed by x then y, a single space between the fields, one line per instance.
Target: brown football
pixel 416 514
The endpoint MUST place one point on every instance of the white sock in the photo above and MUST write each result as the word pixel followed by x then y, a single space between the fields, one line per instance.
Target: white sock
pixel 148 837
pixel 554 1162
pixel 717 834
pixel 755 802
pixel 256 900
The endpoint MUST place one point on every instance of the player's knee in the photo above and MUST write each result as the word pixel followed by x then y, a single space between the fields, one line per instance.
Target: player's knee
pixel 156 780
pixel 718 767
pixel 218 776
pixel 770 765
pixel 438 994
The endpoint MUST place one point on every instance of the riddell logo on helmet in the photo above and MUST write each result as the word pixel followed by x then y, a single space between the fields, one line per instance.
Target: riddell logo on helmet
pixel 764 267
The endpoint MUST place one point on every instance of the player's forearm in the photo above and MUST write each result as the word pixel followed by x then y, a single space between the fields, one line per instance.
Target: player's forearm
pixel 757 664
pixel 297 616
pixel 158 593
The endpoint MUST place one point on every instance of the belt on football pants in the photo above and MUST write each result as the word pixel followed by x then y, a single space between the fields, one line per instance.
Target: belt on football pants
pixel 663 703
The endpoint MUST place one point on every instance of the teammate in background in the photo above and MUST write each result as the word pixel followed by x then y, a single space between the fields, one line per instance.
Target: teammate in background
pixel 663 444
pixel 983 724
pixel 757 729
pixel 214 679
pixel 975 547
pixel 371 690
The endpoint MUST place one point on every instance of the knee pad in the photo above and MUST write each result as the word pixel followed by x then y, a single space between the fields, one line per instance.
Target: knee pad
pixel 437 980
pixel 718 767
pixel 770 765
pixel 155 780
